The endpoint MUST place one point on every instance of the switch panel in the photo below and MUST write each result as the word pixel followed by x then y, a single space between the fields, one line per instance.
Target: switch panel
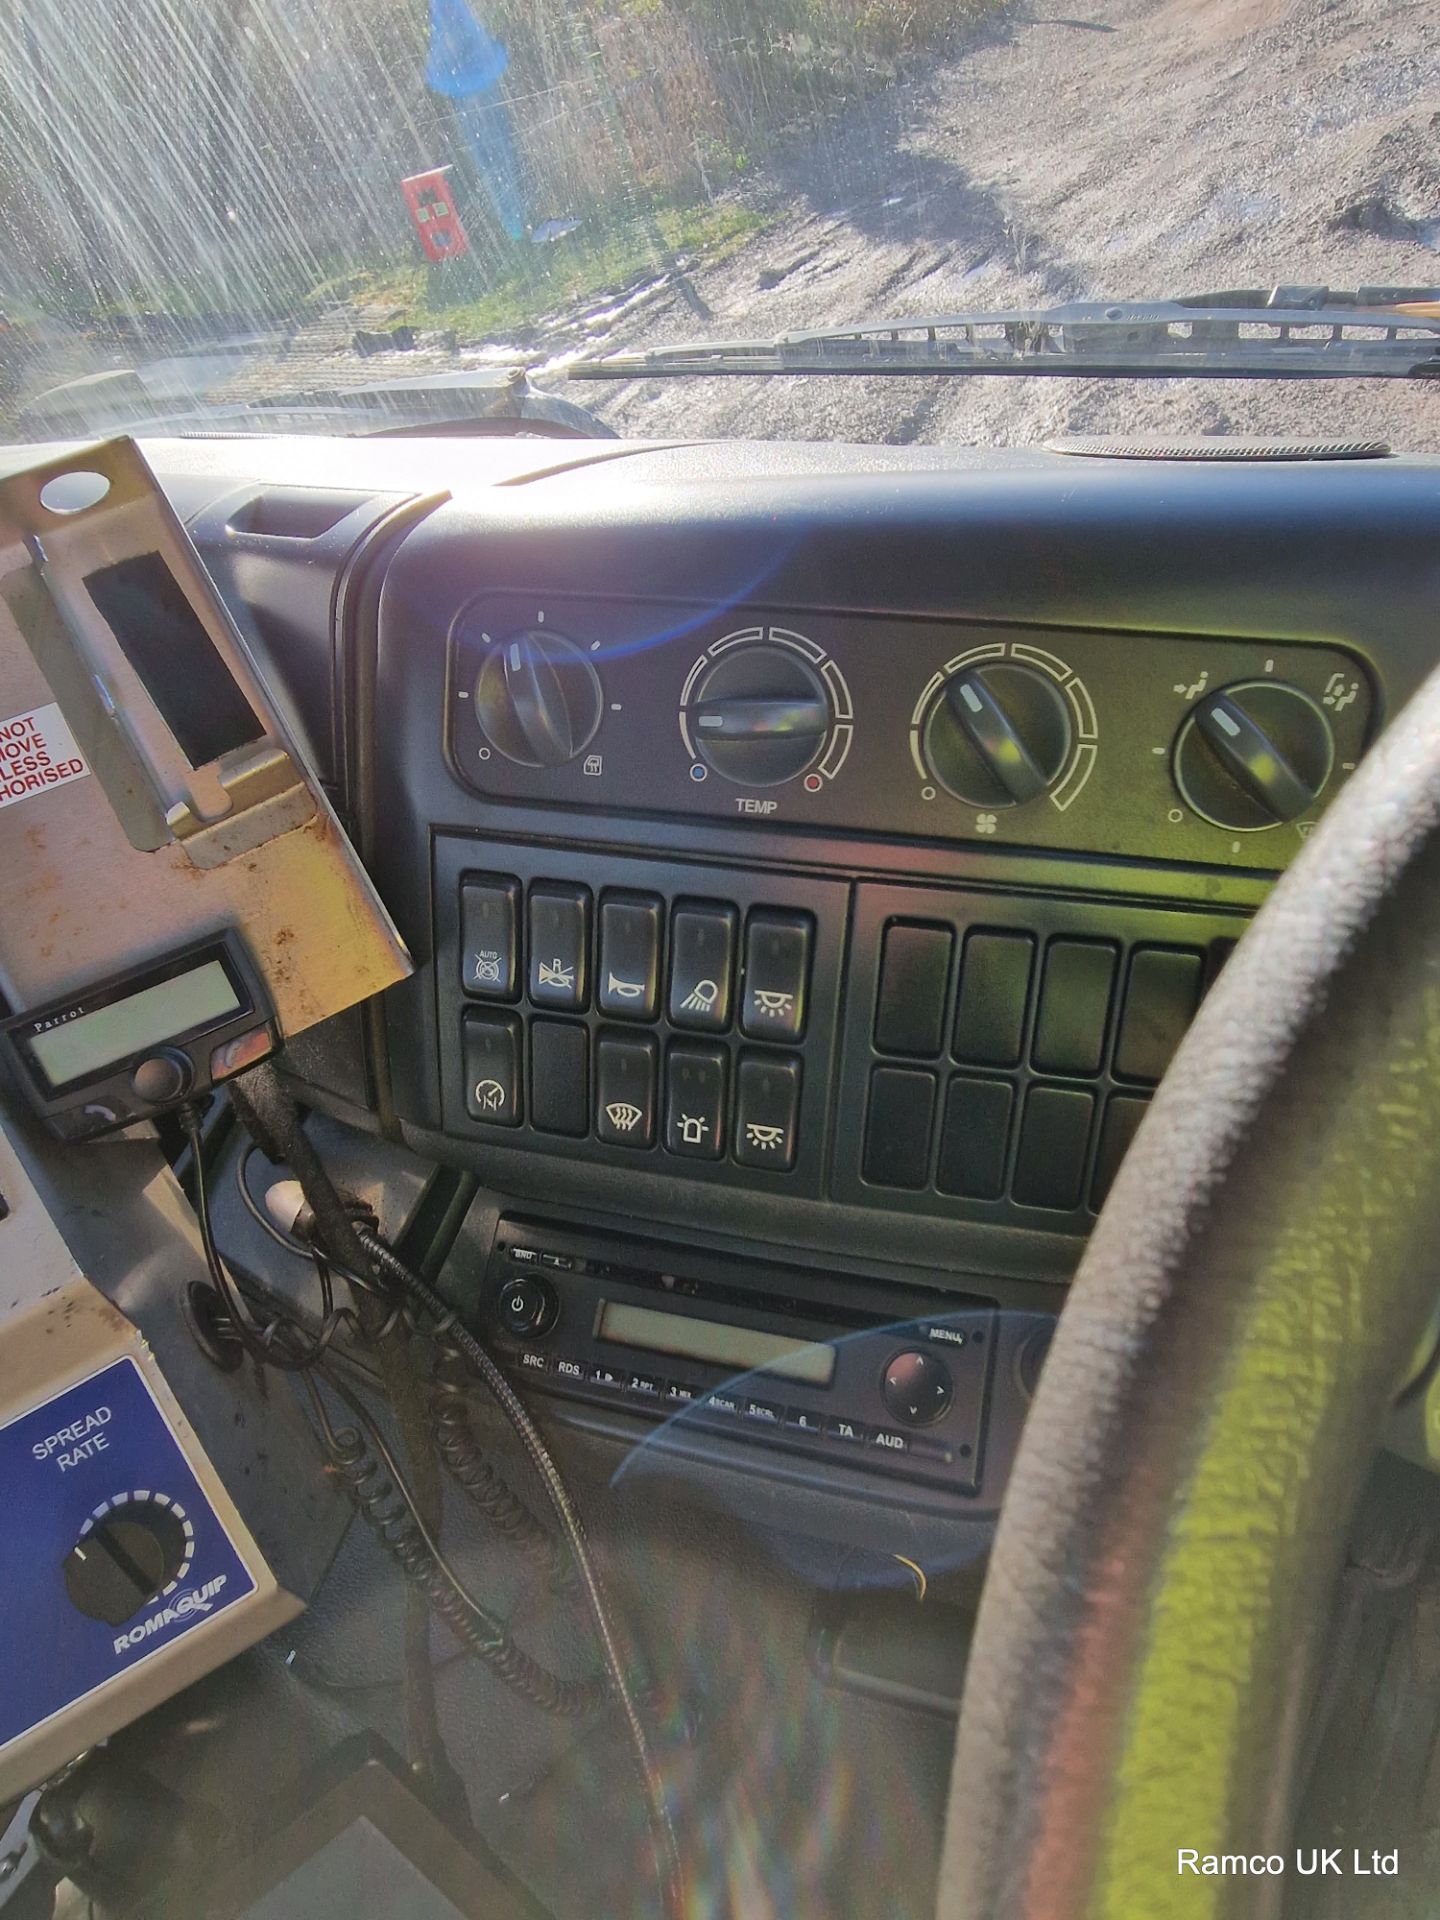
pixel 995 970
pixel 1007 1088
pixel 898 1127
pixel 992 1061
pixel 1160 999
pixel 1074 1017
pixel 671 1019
pixel 559 1076
pixel 1054 1146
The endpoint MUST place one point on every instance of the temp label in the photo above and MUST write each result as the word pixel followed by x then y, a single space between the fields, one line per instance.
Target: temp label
pixel 82 1454
pixel 37 752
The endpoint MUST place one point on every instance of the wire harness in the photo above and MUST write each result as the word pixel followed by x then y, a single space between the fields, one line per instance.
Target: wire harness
pixel 347 1242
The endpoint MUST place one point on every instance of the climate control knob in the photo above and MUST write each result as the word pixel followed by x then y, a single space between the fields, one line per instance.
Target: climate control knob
pixel 759 715
pixel 997 734
pixel 1253 755
pixel 538 699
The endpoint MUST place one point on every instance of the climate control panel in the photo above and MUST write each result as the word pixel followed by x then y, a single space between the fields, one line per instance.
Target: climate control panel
pixel 1151 746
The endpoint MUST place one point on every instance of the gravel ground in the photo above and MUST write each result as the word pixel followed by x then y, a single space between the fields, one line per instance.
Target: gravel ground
pixel 1137 148
pixel 1150 147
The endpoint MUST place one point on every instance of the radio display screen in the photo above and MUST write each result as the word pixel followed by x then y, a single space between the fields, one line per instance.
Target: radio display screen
pixel 74 1048
pixel 743 1348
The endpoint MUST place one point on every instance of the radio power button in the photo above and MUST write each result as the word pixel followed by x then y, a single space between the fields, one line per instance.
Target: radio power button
pixel 528 1306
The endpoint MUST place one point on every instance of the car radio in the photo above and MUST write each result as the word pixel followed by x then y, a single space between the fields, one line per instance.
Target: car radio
pixel 803 1362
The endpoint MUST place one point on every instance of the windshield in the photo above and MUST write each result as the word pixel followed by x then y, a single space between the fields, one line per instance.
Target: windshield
pixel 371 215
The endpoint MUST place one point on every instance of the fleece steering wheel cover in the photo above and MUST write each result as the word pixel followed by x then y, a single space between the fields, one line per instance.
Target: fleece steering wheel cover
pixel 1245 1310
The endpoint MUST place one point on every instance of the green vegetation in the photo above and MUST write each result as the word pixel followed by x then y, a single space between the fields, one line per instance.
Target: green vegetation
pixel 525 282
pixel 240 160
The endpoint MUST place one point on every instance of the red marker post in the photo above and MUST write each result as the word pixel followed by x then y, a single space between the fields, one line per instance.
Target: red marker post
pixel 434 215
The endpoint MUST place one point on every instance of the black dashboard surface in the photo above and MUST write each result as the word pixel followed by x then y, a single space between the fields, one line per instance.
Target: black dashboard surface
pixel 1138 588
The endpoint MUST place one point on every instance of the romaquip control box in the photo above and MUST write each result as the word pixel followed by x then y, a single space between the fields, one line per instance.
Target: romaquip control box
pixel 127 1570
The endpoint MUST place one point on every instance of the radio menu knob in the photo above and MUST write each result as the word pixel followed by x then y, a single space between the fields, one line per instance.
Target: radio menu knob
pixel 997 734
pixel 760 715
pixel 538 699
pixel 1253 755
pixel 917 1388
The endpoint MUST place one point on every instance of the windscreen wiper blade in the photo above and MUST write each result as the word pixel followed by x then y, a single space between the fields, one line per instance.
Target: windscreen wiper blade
pixel 1388 333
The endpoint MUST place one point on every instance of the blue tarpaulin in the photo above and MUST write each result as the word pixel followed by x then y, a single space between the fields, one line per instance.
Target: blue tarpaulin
pixel 464 58
pixel 466 64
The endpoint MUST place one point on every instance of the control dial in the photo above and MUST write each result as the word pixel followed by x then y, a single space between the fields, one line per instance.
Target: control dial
pixel 162 1076
pixel 131 1549
pixel 1253 755
pixel 538 699
pixel 917 1388
pixel 759 715
pixel 997 734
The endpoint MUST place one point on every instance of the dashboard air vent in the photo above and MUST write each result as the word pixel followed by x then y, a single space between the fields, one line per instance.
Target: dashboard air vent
pixel 295 513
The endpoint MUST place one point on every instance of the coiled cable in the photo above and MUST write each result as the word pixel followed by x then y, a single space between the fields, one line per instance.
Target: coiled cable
pixel 467 1466
pixel 270 1114
pixel 278 1341
pixel 449 1327
pixel 371 1476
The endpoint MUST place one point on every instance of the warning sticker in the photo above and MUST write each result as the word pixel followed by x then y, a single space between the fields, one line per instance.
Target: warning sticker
pixel 37 752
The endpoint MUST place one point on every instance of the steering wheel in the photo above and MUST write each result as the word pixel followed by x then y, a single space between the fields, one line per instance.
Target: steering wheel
pixel 1242 1318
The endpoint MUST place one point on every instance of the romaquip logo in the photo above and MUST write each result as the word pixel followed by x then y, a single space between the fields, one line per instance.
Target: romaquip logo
pixel 198 1600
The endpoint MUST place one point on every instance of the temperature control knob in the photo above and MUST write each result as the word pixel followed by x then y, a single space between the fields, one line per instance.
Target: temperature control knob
pixel 125 1556
pixel 1253 755
pixel 538 699
pixel 760 715
pixel 997 734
